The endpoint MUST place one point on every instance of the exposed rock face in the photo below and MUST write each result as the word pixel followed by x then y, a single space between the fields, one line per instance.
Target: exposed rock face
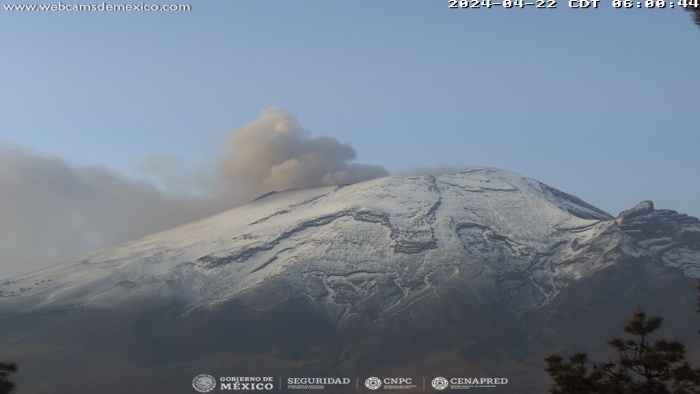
pixel 392 238
pixel 664 236
pixel 377 246
pixel 459 259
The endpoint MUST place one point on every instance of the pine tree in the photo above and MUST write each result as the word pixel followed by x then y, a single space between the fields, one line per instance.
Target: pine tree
pixel 6 386
pixel 642 366
pixel 696 14
pixel 573 377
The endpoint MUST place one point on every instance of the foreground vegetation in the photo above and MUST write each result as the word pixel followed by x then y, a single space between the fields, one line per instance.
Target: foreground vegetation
pixel 641 366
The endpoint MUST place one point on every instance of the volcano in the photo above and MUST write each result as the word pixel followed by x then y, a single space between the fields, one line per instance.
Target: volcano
pixel 478 274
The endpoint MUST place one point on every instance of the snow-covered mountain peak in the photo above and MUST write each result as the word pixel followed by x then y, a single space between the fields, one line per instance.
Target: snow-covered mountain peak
pixel 383 244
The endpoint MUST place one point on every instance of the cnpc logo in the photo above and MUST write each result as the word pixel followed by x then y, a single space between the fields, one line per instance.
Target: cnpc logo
pixel 375 383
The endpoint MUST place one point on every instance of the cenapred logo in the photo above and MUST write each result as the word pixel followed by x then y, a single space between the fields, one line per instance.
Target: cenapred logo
pixel 440 383
pixel 204 383
pixel 373 383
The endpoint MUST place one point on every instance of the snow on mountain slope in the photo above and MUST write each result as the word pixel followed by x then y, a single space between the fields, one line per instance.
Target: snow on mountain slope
pixel 372 248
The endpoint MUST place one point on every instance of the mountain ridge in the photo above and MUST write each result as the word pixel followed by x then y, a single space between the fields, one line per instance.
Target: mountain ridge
pixel 478 273
pixel 388 238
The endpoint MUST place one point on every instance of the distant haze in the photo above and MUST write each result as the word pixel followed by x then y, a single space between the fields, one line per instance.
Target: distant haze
pixel 52 210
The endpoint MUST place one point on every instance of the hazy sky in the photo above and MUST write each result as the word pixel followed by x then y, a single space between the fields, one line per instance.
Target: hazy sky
pixel 599 103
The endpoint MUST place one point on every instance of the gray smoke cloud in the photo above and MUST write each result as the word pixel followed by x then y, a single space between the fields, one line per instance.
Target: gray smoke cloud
pixel 275 153
pixel 51 210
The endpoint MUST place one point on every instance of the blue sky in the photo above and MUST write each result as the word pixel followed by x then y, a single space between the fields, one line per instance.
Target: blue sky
pixel 599 103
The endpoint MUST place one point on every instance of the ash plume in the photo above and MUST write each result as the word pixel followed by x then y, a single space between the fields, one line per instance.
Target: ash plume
pixel 51 210
pixel 275 153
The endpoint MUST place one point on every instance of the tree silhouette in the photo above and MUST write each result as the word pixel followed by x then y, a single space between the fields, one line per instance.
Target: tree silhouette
pixel 696 14
pixel 6 386
pixel 642 366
